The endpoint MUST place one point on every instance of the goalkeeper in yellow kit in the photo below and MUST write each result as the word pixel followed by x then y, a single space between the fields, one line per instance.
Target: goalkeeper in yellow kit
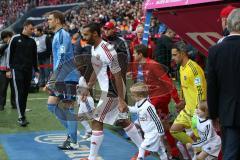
pixel 193 84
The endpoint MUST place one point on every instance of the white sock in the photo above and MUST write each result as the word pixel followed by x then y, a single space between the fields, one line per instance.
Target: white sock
pixel 96 141
pixel 132 132
pixel 86 126
pixel 182 149
pixel 141 153
pixel 162 151
pixel 191 152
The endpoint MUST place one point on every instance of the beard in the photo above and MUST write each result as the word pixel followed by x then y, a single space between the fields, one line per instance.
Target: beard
pixel 91 41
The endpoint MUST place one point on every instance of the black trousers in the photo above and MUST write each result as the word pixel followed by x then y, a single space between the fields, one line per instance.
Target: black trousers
pixel 4 82
pixel 44 72
pixel 231 143
pixel 21 80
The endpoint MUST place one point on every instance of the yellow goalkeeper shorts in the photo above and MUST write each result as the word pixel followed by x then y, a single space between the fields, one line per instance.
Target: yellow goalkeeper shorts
pixel 184 119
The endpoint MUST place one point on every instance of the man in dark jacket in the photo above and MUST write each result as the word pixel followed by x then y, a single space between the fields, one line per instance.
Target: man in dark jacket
pixel 223 86
pixel 163 49
pixel 5 36
pixel 120 45
pixel 22 59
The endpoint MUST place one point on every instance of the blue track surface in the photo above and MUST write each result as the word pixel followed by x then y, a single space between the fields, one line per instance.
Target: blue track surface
pixel 43 146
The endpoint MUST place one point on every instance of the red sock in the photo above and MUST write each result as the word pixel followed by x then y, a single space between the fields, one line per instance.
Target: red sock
pixel 172 144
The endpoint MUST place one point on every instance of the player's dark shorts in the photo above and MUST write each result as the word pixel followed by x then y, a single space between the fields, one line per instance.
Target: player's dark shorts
pixel 65 91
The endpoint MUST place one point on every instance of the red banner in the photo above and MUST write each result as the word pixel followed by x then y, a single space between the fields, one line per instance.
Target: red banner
pixel 151 4
pixel 199 26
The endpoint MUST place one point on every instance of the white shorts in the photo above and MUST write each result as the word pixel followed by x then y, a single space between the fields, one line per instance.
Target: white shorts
pixel 153 143
pixel 107 110
pixel 213 147
pixel 86 109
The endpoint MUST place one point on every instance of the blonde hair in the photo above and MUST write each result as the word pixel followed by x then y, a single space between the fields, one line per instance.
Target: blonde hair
pixel 140 90
pixel 203 106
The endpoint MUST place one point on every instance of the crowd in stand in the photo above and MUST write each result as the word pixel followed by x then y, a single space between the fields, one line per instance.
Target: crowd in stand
pixel 11 10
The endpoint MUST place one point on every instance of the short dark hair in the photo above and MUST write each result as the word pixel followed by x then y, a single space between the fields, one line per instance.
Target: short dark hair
pixel 39 29
pixel 6 34
pixel 27 23
pixel 141 48
pixel 58 15
pixel 94 27
pixel 181 46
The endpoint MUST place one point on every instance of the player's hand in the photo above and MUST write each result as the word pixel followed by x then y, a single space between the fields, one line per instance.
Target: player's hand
pixel 122 106
pixel 180 106
pixel 84 94
pixel 9 74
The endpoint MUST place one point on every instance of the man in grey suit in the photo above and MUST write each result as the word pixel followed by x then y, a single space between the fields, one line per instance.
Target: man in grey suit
pixel 223 91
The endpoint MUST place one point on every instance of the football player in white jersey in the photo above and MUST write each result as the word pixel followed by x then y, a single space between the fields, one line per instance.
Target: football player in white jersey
pixel 111 106
pixel 149 122
pixel 210 142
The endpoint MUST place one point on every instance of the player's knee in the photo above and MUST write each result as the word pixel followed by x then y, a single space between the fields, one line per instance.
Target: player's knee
pixel 198 157
pixel 174 132
pixel 123 123
pixel 173 129
pixel 96 125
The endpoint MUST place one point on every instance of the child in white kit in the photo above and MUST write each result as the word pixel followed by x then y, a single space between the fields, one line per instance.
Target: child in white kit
pixel 148 121
pixel 86 109
pixel 210 142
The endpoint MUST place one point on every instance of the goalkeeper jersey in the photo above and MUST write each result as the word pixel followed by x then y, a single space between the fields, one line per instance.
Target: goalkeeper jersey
pixel 193 84
pixel 63 57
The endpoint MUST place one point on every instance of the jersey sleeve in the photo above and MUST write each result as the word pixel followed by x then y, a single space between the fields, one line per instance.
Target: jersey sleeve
pixel 64 48
pixel 199 82
pixel 112 58
pixel 153 114
pixel 66 45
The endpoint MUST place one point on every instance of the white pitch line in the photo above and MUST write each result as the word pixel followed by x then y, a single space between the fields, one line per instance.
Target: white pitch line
pixel 32 99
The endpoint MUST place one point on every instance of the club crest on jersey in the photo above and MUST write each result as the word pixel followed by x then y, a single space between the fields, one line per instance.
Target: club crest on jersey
pixel 143 117
pixel 197 81
pixel 62 49
pixel 98 57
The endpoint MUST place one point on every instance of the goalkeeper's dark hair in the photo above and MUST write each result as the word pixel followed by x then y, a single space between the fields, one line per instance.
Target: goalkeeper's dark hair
pixel 58 15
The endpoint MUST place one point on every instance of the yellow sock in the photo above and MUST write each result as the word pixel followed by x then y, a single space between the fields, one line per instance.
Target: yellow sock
pixel 181 136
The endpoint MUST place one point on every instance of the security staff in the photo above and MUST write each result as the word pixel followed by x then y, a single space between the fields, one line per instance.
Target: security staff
pixel 22 59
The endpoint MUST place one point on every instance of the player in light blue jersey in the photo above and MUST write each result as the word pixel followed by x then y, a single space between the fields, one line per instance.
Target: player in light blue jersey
pixel 66 76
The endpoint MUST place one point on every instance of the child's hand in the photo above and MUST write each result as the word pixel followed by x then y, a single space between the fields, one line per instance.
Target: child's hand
pixel 189 146
pixel 196 150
